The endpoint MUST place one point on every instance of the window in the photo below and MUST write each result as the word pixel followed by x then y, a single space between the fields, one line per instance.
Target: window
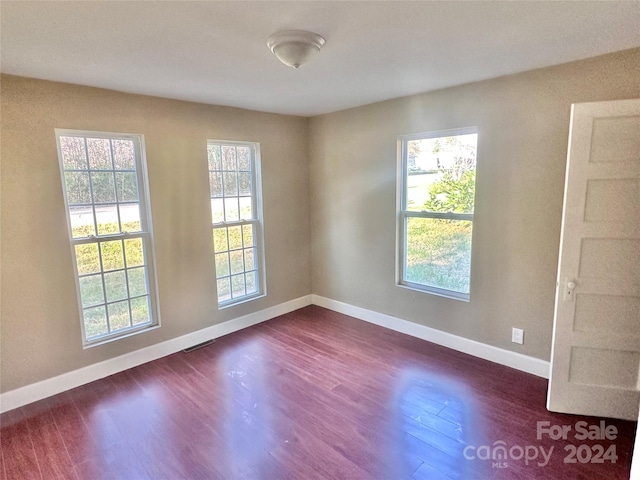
pixel 436 201
pixel 234 181
pixel 104 181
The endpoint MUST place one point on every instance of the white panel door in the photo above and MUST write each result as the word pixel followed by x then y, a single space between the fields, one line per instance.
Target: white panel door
pixel 596 341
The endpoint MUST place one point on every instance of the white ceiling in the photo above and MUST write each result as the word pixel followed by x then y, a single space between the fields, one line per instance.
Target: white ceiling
pixel 215 52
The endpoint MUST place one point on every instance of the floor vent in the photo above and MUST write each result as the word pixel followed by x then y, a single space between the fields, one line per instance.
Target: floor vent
pixel 200 345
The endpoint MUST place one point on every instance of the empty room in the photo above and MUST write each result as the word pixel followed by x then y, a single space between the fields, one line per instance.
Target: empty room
pixel 360 240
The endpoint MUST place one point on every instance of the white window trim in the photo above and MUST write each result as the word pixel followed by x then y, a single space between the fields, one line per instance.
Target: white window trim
pixel 402 214
pixel 145 223
pixel 258 221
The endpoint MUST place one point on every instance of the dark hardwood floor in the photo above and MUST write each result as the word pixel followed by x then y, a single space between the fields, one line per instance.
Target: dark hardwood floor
pixel 309 395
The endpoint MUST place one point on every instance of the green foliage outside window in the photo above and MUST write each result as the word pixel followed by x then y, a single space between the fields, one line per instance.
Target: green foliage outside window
pixel 439 253
pixel 451 195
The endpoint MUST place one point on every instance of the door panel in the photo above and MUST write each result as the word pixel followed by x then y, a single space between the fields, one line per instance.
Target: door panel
pixel 610 200
pixel 611 135
pixel 595 360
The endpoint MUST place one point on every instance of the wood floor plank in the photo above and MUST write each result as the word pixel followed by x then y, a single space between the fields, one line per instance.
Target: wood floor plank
pixel 3 473
pixel 114 462
pixel 78 438
pixel 309 395
pixel 20 460
pixel 52 454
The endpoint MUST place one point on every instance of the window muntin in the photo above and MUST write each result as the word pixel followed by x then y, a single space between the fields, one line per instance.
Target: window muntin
pixel 104 184
pixel 234 181
pixel 436 208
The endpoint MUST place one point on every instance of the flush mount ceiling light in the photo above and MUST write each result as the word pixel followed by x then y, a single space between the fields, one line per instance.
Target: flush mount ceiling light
pixel 295 47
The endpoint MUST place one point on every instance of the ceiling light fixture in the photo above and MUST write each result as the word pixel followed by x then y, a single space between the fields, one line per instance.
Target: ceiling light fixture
pixel 295 47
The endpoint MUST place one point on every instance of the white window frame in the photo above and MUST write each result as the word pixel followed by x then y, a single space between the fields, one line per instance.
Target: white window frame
pixel 146 234
pixel 257 222
pixel 403 214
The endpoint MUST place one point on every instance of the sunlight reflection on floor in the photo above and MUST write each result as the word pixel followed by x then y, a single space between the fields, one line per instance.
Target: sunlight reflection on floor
pixel 435 425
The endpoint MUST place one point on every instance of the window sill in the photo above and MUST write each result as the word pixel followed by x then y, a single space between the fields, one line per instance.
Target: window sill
pixel 112 338
pixel 233 303
pixel 439 292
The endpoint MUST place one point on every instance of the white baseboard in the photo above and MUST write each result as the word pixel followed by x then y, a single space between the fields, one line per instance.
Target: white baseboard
pixel 52 386
pixel 511 359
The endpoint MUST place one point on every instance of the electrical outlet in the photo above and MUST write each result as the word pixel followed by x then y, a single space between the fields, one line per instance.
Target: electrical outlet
pixel 517 335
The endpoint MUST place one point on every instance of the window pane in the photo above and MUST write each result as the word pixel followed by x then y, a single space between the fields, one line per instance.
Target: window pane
pixel 99 154
pixel 220 240
pixel 215 156
pixel 222 265
pixel 107 219
pixel 438 253
pixel 224 289
pixel 103 185
pixel 123 155
pixel 217 210
pixel 215 184
pixel 119 315
pixel 73 153
pixel 81 221
pixel 244 183
pixel 237 286
pixel 134 254
pixel 140 310
pixel 127 186
pixel 230 184
pixel 137 281
pixel 77 187
pixel 237 263
pixel 130 217
pixel 116 285
pixel 229 158
pixel 95 321
pixel 231 213
pixel 87 258
pixel 252 286
pixel 112 258
pixel 235 237
pixel 91 290
pixel 246 212
pixel 244 159
pixel 247 235
pixel 249 256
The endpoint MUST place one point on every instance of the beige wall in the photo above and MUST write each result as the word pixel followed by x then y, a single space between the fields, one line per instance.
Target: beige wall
pixel 339 170
pixel 40 329
pixel 523 123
